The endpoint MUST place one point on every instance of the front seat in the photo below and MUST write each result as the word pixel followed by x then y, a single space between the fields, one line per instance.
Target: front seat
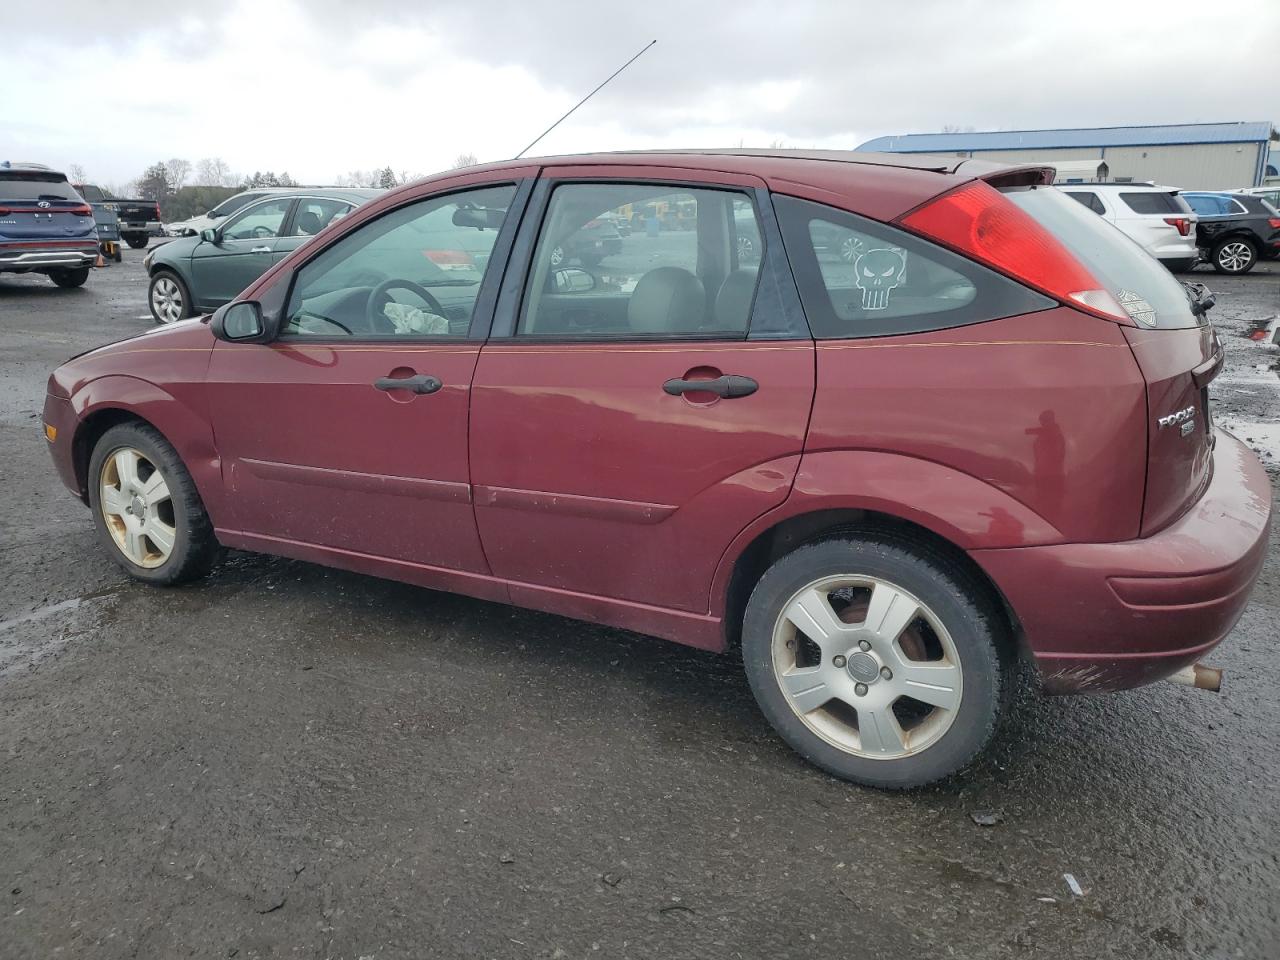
pixel 667 300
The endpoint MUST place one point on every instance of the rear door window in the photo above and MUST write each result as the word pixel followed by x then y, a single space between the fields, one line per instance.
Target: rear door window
pixel 1088 199
pixel 862 278
pixel 1151 201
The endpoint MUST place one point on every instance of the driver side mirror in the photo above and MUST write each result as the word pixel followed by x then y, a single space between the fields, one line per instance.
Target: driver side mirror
pixel 572 280
pixel 242 322
pixel 210 235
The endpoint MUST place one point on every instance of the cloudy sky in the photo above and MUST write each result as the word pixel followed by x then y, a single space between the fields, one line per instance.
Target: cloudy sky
pixel 323 87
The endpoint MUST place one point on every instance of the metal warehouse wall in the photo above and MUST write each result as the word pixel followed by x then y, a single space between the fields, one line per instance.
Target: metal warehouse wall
pixel 1194 166
pixel 1200 166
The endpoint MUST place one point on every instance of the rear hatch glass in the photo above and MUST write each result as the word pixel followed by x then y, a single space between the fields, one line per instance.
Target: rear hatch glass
pixel 41 205
pixel 1173 345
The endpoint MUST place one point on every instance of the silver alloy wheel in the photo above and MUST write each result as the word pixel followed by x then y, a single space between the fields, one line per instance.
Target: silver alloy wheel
pixel 166 300
pixel 1235 256
pixel 850 248
pixel 848 676
pixel 137 507
pixel 746 248
pixel 557 256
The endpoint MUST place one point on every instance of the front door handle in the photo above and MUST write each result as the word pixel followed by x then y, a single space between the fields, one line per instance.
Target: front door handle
pixel 422 383
pixel 726 387
pixel 260 250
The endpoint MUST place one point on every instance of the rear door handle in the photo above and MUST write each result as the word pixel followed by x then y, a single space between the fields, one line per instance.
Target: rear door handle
pixel 422 383
pixel 726 387
pixel 260 250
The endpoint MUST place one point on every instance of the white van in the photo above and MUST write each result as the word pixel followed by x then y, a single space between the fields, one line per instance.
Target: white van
pixel 1157 218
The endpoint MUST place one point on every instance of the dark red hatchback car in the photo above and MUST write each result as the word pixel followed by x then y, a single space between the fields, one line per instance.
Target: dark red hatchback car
pixel 942 417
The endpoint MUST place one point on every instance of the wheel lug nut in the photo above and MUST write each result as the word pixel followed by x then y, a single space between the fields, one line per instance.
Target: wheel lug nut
pixel 839 661
pixel 860 689
pixel 886 673
pixel 864 644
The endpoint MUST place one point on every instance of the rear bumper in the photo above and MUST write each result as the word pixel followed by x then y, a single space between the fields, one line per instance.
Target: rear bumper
pixel 34 255
pixel 1109 616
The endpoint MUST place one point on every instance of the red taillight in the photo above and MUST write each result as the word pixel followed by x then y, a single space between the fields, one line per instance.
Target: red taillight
pixel 5 211
pixel 1274 223
pixel 977 221
pixel 84 210
pixel 1182 223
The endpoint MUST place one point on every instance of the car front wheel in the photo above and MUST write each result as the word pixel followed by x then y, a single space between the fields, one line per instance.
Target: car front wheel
pixel 1234 255
pixel 136 241
pixel 168 297
pixel 876 659
pixel 146 507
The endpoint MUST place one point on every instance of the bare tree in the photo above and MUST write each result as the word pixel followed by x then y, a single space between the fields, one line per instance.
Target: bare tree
pixel 214 172
pixel 76 173
pixel 464 160
pixel 178 170
pixel 955 128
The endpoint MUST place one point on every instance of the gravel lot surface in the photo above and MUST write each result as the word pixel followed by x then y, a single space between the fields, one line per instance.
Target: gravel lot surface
pixel 290 761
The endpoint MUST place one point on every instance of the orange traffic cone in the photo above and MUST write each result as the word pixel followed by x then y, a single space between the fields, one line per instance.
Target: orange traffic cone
pixel 100 262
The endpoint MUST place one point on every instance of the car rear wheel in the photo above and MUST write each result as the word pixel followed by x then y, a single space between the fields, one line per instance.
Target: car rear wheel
pixel 146 507
pixel 876 659
pixel 136 241
pixel 1234 255
pixel 69 278
pixel 169 298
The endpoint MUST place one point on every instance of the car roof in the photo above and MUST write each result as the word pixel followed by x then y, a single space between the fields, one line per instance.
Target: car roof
pixel 24 167
pixel 1144 185
pixel 337 193
pixel 879 185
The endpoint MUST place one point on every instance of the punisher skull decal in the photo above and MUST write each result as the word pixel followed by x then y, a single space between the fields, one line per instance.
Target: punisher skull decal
pixel 878 273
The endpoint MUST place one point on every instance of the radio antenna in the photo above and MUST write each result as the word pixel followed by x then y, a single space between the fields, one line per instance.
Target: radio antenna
pixel 585 99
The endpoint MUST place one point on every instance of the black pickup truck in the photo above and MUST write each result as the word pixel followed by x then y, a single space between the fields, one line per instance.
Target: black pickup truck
pixel 139 219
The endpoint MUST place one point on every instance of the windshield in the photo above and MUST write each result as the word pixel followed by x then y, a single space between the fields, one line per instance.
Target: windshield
pixel 36 186
pixel 1127 271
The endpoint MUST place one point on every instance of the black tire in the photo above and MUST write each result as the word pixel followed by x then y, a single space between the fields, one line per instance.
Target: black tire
pixel 118 256
pixel 1245 255
pixel 184 310
pixel 961 603
pixel 136 241
pixel 67 279
pixel 195 548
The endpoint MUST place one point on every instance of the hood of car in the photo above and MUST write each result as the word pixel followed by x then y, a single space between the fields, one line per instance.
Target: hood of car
pixel 150 356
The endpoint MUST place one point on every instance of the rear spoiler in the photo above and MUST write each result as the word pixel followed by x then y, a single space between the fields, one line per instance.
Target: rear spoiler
pixel 1003 175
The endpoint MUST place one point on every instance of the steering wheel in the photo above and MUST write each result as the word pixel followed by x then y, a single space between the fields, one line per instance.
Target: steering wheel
pixel 378 300
pixel 263 233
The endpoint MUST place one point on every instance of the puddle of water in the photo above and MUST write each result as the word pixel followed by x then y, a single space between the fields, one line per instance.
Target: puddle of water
pixel 28 639
pixel 1263 437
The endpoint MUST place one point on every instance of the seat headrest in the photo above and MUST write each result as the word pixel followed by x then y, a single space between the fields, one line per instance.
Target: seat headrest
pixel 667 300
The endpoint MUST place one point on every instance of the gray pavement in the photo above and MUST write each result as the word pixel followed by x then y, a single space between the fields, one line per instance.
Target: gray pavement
pixel 291 761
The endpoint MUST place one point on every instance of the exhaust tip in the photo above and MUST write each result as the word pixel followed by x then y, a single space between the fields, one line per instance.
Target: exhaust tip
pixel 1199 676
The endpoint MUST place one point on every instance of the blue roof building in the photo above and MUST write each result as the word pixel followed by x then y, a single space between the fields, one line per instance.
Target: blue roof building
pixel 1203 156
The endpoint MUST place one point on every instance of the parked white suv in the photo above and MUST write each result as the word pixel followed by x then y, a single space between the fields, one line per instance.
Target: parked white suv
pixel 1157 218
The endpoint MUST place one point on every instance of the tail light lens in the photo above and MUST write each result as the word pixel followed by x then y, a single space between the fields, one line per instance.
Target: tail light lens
pixel 977 221
pixel 1274 223
pixel 5 211
pixel 1182 223
pixel 84 210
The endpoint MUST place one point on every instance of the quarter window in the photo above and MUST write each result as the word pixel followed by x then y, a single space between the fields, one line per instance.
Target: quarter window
pixel 628 260
pixel 861 278
pixel 1151 202
pixel 260 222
pixel 414 272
